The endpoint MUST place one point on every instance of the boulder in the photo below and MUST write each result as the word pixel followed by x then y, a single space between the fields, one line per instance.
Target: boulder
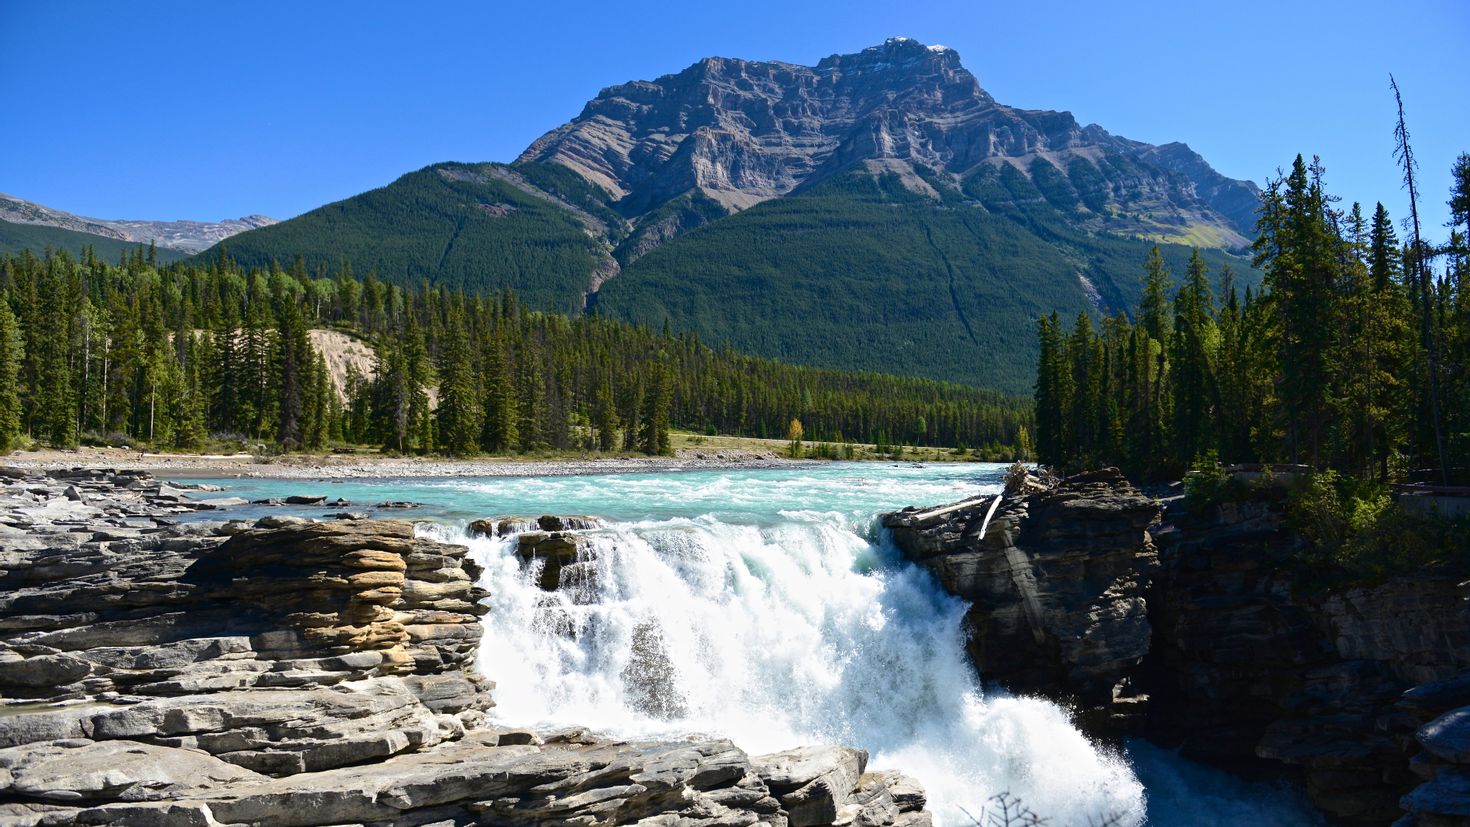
pixel 1056 579
pixel 1448 736
pixel 555 551
pixel 813 784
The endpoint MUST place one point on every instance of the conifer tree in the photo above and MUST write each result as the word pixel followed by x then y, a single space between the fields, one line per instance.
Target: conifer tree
pixel 1085 357
pixel 55 406
pixel 189 429
pixel 460 416
pixel 295 365
pixel 319 415
pixel 1192 363
pixel 1153 312
pixel 634 415
pixel 1052 393
pixel 531 399
pixel 606 418
pixel 654 439
pixel 12 354
pixel 501 412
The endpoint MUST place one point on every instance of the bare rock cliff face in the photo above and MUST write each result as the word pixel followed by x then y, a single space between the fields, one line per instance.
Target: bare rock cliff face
pixel 740 132
pixel 1056 584
pixel 1249 664
pixel 305 673
pixel 1198 631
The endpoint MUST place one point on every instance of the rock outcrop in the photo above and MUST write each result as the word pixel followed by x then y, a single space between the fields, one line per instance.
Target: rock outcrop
pixel 1249 663
pixel 1080 592
pixel 1055 581
pixel 294 672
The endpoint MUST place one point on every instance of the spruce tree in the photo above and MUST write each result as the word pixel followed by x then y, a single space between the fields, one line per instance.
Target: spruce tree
pixel 295 364
pixel 12 354
pixel 606 418
pixel 654 439
pixel 319 418
pixel 460 415
pixel 1192 364
pixel 501 411
pixel 1153 312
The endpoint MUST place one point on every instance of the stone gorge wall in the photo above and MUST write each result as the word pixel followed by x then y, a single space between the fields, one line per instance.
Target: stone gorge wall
pixel 294 672
pixel 1249 663
pixel 1196 631
pixel 1056 585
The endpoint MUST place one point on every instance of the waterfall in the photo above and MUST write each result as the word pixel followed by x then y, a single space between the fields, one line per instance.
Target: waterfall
pixel 775 634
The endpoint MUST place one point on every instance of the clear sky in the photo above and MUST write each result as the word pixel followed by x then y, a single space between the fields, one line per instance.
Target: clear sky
pixel 210 110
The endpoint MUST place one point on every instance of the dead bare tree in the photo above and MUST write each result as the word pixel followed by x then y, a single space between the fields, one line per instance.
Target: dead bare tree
pixel 1405 156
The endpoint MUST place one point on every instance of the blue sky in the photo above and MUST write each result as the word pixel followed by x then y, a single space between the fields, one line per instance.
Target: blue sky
pixel 207 110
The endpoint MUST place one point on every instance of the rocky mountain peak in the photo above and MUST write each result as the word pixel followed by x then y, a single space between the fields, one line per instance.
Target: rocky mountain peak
pixel 738 132
pixel 901 59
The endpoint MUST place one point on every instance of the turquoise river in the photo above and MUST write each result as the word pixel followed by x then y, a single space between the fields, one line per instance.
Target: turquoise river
pixel 766 606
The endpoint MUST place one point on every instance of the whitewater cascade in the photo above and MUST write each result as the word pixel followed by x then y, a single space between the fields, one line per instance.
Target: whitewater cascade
pixel 775 635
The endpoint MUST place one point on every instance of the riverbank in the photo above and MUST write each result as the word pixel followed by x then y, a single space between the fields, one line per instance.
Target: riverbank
pixel 289 672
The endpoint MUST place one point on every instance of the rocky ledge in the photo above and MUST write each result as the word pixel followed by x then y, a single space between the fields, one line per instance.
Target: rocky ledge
pixel 1055 576
pixel 1193 628
pixel 293 672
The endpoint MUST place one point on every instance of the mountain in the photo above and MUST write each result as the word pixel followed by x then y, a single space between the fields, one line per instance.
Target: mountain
pixel 182 236
pixel 879 210
pixel 37 238
pixel 479 226
pixel 741 132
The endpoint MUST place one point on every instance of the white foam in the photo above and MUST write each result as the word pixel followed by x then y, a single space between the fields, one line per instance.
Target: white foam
pixel 779 635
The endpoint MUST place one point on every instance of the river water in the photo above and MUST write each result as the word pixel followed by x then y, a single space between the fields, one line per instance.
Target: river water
pixel 767 607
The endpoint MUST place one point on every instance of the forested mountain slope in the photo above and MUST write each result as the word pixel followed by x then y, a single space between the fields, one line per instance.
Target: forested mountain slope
pixel 877 211
pixel 36 238
pixel 861 272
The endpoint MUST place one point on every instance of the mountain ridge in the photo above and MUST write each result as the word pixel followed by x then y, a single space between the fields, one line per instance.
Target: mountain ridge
pixel 183 235
pixel 876 211
pixel 741 132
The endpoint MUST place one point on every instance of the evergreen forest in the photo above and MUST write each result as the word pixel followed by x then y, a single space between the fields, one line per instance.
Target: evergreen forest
pixel 183 355
pixel 1353 356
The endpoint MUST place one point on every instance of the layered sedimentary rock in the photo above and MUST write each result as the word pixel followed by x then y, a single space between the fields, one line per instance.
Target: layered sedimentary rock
pixel 732 133
pixel 293 672
pixel 1077 593
pixel 1055 581
pixel 1249 662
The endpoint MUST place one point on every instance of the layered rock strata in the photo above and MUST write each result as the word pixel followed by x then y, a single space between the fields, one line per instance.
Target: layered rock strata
pixel 293 672
pixel 1055 580
pixel 1249 662
pixel 1080 592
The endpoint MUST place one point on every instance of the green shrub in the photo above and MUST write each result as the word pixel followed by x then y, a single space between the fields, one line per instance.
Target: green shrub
pixel 1354 532
pixel 1207 482
pixel 1315 510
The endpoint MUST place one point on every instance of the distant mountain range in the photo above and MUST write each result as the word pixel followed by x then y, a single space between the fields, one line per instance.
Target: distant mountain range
pixel 186 237
pixel 877 211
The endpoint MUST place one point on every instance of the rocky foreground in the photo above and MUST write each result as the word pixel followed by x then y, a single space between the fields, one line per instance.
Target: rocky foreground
pixel 1194 629
pixel 290 672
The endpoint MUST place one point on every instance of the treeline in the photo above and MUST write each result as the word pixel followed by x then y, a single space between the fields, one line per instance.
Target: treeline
pixel 176 356
pixel 1354 356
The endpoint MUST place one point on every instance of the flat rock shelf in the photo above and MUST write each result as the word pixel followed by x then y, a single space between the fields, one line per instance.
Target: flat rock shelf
pixel 293 672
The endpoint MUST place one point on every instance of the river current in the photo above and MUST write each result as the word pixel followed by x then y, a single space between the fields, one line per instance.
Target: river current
pixel 766 606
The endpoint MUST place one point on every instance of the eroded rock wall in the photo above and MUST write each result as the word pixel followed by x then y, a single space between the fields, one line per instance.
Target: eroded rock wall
pixel 293 672
pixel 1201 630
pixel 1056 584
pixel 1252 662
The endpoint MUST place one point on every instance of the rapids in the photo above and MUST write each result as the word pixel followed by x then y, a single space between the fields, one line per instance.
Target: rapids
pixel 767 606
